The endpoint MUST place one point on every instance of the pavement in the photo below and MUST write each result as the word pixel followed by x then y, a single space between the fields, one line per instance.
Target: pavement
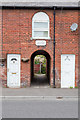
pixel 39 93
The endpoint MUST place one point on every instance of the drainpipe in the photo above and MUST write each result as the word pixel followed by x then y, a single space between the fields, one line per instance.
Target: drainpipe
pixel 54 52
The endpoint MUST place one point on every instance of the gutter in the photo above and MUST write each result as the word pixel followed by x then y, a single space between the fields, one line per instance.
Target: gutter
pixel 40 4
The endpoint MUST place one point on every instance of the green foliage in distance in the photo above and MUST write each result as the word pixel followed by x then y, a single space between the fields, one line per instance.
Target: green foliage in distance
pixel 43 66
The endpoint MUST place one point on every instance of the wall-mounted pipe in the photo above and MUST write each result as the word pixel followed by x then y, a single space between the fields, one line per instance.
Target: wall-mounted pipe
pixel 54 52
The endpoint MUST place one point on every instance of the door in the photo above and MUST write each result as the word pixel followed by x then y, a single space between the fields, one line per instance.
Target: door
pixel 13 70
pixel 67 71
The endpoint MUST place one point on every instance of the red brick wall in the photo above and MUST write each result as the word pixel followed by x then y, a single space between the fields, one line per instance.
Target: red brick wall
pixel 17 33
pixel 0 33
pixel 36 68
pixel 66 41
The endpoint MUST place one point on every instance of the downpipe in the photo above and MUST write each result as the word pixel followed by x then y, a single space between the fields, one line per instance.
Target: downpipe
pixel 54 53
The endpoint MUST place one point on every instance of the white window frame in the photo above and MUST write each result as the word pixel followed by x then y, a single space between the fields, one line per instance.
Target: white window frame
pixel 40 29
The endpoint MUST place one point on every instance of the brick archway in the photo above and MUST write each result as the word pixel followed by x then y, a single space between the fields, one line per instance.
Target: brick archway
pixel 46 54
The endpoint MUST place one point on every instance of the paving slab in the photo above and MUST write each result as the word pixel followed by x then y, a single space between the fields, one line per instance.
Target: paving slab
pixel 32 91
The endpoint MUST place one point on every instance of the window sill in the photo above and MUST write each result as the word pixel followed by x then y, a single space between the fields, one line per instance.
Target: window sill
pixel 33 38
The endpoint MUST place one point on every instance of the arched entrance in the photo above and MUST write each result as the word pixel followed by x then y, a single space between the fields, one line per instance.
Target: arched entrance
pixel 40 79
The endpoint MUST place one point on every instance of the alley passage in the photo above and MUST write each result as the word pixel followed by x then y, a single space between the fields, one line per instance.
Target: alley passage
pixel 40 79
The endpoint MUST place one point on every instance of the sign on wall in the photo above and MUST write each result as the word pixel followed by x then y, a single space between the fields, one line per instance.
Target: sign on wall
pixel 40 42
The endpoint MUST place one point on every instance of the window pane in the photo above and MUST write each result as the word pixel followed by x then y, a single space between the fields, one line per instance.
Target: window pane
pixel 40 24
pixel 41 34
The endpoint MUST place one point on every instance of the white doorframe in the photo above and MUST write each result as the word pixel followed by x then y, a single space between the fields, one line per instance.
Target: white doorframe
pixel 67 70
pixel 13 73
